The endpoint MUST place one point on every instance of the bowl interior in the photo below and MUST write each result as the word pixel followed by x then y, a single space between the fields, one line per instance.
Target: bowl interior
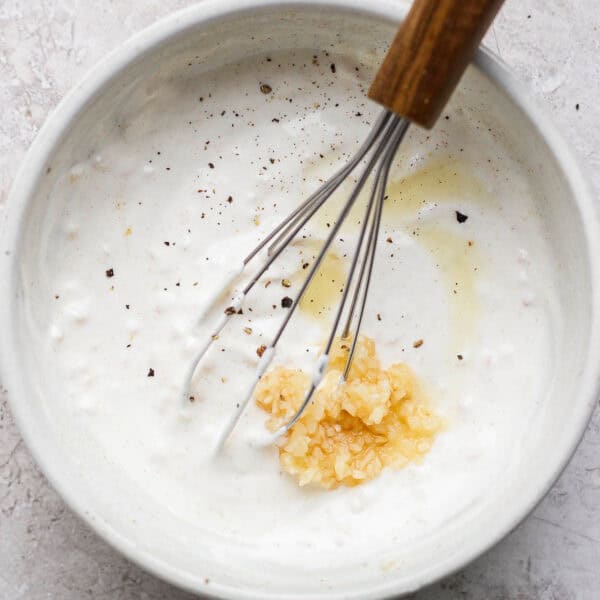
pixel 95 487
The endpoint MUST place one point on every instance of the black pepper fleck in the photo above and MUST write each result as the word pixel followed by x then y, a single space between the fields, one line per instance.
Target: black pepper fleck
pixel 460 217
pixel 286 302
pixel 265 88
pixel 110 272
pixel 150 372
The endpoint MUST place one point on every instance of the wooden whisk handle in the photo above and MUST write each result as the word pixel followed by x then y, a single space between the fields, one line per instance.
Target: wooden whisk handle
pixel 429 54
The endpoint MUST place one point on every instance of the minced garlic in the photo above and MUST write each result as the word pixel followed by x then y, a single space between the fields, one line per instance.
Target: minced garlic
pixel 352 430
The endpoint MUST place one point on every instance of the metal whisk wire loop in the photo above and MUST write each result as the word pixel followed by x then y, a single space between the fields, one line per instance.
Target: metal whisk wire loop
pixel 378 150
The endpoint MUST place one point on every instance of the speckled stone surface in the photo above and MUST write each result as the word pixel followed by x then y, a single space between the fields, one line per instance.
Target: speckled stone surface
pixel 45 551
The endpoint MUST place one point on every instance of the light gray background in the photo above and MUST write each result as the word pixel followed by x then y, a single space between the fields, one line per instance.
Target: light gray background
pixel 45 551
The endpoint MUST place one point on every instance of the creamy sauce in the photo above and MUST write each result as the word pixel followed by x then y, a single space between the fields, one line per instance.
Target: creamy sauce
pixel 174 196
pixel 325 287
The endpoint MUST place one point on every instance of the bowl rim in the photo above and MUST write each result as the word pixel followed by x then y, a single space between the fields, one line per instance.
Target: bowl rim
pixel 75 102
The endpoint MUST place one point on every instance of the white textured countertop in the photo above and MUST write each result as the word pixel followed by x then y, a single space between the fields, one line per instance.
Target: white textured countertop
pixel 45 551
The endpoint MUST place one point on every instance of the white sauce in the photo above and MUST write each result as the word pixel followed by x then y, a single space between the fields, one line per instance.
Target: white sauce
pixel 148 205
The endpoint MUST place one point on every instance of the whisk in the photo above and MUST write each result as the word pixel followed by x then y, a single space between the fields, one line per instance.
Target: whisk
pixel 420 71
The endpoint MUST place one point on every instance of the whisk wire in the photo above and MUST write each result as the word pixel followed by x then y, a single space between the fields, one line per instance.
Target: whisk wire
pixel 388 129
pixel 327 189
pixel 382 144
pixel 333 232
pixel 367 264
pixel 372 221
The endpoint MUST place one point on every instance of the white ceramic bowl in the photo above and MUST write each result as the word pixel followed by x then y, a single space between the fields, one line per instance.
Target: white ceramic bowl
pixel 221 31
